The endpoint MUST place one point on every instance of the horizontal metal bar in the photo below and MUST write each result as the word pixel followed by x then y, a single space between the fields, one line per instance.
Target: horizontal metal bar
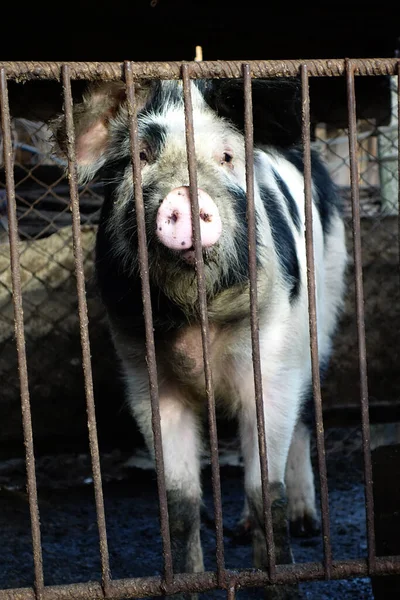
pixel 23 71
pixel 343 415
pixel 202 582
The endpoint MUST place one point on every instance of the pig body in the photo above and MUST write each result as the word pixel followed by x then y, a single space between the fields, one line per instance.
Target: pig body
pixel 102 142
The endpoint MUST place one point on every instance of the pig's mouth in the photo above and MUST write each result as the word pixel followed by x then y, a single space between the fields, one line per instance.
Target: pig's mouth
pixel 185 259
pixel 189 256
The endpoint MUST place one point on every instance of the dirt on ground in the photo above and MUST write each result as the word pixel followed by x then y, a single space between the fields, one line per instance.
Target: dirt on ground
pixel 69 530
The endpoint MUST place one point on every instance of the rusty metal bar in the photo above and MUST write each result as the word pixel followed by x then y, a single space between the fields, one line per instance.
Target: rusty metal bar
pixel 142 587
pixel 231 592
pixel 148 318
pixel 212 422
pixel 84 331
pixel 20 338
pixel 25 71
pixel 255 337
pixel 228 580
pixel 398 158
pixel 312 315
pixel 359 294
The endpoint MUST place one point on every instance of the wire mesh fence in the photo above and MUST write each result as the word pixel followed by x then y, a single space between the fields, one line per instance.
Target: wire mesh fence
pixel 377 157
pixel 45 228
pixel 44 221
pixel 47 268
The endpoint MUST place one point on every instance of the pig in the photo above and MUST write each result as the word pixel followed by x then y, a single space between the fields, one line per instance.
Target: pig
pixel 103 150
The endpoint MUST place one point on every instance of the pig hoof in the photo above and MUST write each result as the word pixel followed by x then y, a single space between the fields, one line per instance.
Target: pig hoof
pixel 305 526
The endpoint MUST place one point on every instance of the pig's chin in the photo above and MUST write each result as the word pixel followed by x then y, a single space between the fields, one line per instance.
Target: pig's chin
pixel 188 257
pixel 175 273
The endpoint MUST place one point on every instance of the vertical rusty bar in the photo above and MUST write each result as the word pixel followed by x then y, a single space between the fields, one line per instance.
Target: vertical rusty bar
pixel 20 338
pixel 216 484
pixel 362 353
pixel 231 592
pixel 398 159
pixel 312 315
pixel 84 331
pixel 148 317
pixel 255 338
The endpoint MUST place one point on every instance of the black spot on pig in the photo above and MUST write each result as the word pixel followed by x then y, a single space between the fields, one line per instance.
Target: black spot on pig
pixel 154 135
pixel 307 415
pixel 283 240
pixel 291 204
pixel 120 289
pixel 239 273
pixel 185 522
pixel 327 200
pixel 163 94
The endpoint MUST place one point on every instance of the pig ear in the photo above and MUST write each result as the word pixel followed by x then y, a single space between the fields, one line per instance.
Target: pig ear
pixel 91 116
pixel 100 104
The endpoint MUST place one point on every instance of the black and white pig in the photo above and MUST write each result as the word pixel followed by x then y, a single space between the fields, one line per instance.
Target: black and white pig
pixel 103 148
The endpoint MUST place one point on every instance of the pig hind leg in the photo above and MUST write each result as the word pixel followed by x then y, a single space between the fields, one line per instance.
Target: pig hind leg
pixel 181 451
pixel 299 480
pixel 299 476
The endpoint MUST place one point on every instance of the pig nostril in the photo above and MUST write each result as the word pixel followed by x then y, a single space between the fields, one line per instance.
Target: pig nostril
pixel 173 217
pixel 206 217
pixel 174 223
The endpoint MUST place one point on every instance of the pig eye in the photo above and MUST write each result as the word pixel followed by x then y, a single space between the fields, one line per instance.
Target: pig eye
pixel 144 157
pixel 226 157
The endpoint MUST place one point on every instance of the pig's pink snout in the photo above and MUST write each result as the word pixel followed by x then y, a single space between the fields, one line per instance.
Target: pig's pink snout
pixel 174 220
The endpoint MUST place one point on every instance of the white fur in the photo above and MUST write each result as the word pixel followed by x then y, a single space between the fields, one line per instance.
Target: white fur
pixel 284 347
pixel 283 325
pixel 299 476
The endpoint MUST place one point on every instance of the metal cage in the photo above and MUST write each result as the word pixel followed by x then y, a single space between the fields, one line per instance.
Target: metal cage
pixel 223 578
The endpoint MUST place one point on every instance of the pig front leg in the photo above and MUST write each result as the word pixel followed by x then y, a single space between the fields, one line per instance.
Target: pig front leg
pixel 279 425
pixel 299 479
pixel 181 452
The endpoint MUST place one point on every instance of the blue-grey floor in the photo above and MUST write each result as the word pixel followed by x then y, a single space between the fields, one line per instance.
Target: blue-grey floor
pixel 69 531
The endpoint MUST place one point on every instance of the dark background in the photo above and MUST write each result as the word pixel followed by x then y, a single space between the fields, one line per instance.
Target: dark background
pixel 116 31
pixel 170 31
